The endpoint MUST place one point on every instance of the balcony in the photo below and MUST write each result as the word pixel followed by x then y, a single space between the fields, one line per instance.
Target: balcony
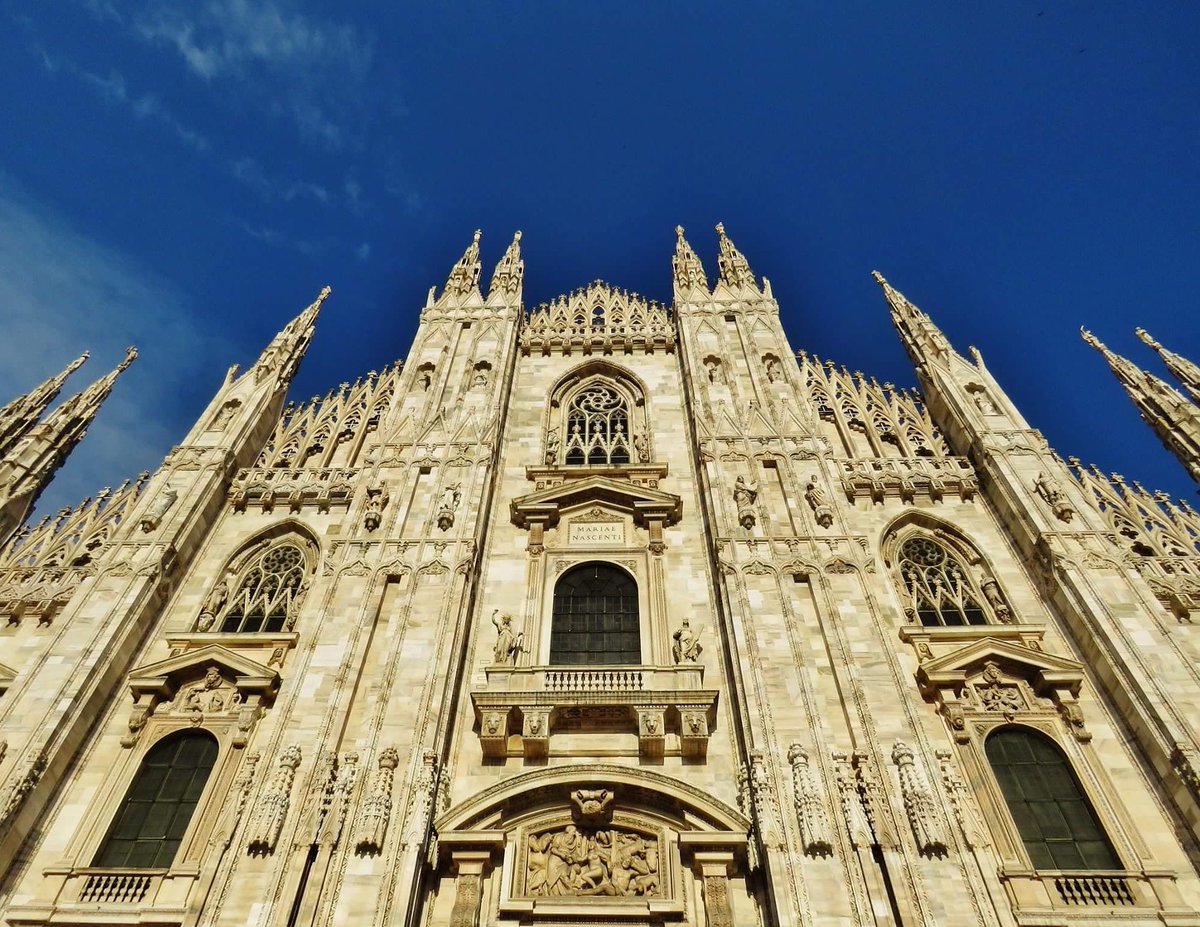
pixel 523 706
pixel 1134 897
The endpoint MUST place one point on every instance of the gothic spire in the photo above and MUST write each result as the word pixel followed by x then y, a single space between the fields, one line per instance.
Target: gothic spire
pixel 1175 420
pixel 689 272
pixel 734 268
pixel 509 273
pixel 464 276
pixel 1184 370
pixel 27 470
pixel 922 339
pixel 287 349
pixel 22 413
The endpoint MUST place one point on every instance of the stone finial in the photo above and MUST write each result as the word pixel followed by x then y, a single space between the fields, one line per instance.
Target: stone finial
pixel 689 271
pixel 731 263
pixel 464 275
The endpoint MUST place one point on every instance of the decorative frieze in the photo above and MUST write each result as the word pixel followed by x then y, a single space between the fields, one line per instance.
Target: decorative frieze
pixel 907 477
pixel 294 489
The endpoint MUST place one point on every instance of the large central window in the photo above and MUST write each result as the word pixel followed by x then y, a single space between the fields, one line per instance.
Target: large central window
pixel 597 427
pixel 595 617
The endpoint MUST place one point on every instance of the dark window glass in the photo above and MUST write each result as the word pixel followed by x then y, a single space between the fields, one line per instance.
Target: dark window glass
pixel 265 595
pixel 159 804
pixel 937 586
pixel 595 617
pixel 1057 824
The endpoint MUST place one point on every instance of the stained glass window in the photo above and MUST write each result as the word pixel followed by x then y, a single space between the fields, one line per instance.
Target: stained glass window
pixel 1057 823
pixel 157 808
pixel 938 587
pixel 597 427
pixel 595 618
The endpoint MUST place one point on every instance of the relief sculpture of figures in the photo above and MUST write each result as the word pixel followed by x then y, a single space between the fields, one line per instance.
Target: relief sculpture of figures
pixel 744 494
pixel 508 642
pixel 1054 496
pixel 686 647
pixel 609 862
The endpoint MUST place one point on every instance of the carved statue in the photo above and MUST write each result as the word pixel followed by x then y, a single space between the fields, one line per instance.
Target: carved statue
pixel 552 447
pixel 224 414
pixel 377 499
pixel 480 380
pixel 508 643
pixel 642 446
pixel 984 402
pixel 686 647
pixel 744 494
pixel 991 592
pixel 774 372
pixel 713 366
pixel 1054 496
pixel 607 862
pixel 213 603
pixel 448 505
pixel 815 496
pixel 154 514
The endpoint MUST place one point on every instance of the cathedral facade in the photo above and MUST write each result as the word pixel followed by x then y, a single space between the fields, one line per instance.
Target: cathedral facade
pixel 602 612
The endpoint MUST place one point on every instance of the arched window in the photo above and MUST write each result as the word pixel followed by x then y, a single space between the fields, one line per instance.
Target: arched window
pixel 595 617
pixel 270 588
pixel 597 427
pixel 157 808
pixel 1057 823
pixel 939 589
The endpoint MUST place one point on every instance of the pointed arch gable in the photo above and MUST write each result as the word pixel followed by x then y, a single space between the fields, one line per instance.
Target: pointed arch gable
pixel 583 373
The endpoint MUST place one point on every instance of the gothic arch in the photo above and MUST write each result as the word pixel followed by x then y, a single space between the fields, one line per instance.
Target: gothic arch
pixel 941 576
pixel 598 414
pixel 270 572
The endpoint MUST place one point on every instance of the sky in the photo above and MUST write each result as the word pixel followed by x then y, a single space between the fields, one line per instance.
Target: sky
pixel 185 176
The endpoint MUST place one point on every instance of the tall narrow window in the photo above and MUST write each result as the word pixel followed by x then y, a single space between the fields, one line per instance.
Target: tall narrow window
pixel 597 427
pixel 157 808
pixel 1057 823
pixel 595 617
pixel 267 591
pixel 938 587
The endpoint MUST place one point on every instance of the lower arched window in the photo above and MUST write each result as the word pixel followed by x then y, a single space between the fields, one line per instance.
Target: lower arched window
pixel 595 617
pixel 1056 821
pixel 156 810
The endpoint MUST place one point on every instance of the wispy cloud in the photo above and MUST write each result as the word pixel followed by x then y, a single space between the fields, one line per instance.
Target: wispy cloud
pixel 62 293
pixel 250 173
pixel 115 90
pixel 308 65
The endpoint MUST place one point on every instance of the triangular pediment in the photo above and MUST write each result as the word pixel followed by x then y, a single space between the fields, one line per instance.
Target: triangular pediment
pixel 165 676
pixel 1039 668
pixel 643 503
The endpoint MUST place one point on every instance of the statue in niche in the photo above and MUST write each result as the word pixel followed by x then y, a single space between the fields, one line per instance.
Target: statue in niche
pixel 508 642
pixel 552 447
pixel 614 863
pixel 991 592
pixel 686 646
pixel 815 496
pixel 213 603
pixel 480 380
pixel 224 414
pixel 154 514
pixel 1054 497
pixel 641 446
pixel 984 402
pixel 774 371
pixel 448 505
pixel 744 494
pixel 713 366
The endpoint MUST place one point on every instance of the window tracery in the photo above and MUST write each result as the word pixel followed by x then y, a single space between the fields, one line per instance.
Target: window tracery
pixel 597 418
pixel 265 594
pixel 939 589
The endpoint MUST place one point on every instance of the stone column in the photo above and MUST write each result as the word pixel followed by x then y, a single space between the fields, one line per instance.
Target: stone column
pixel 469 867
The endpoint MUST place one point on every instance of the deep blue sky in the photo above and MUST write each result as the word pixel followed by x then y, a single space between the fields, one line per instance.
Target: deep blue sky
pixel 186 175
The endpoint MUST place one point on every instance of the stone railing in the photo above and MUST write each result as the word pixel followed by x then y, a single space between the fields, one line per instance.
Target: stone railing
pixel 905 477
pixel 664 705
pixel 1054 893
pixel 321 487
pixel 116 888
